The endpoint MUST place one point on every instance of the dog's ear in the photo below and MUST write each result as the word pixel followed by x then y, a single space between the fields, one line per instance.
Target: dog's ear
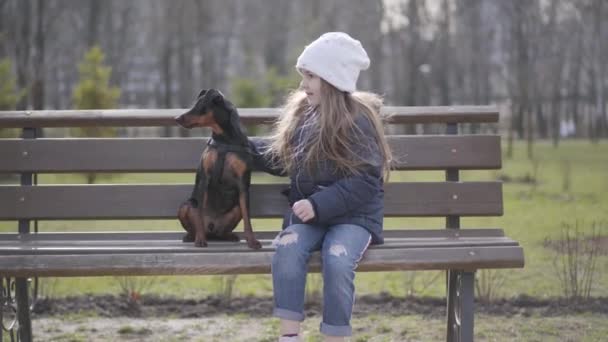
pixel 233 115
pixel 236 122
pixel 202 93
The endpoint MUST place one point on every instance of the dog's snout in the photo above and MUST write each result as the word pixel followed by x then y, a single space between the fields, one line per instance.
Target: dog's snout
pixel 181 119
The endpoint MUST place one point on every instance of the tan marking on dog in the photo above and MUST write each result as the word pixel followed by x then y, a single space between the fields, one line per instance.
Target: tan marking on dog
pixel 205 120
pixel 216 128
pixel 208 120
pixel 209 159
pixel 238 166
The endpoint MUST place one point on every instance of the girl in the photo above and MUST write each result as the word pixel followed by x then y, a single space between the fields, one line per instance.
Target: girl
pixel 330 141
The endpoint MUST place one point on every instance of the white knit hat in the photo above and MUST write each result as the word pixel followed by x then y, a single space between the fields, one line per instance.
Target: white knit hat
pixel 337 58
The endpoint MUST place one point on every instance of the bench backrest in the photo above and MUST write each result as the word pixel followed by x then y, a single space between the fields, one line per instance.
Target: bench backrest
pixel 450 152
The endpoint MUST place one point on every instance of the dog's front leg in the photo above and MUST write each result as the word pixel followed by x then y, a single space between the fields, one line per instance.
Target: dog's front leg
pixel 200 226
pixel 185 215
pixel 199 220
pixel 252 242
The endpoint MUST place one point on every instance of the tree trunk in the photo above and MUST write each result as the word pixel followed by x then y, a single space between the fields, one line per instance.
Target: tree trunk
pixel 556 118
pixel 3 18
pixel 413 46
pixel 511 132
pixel 575 79
pixel 600 101
pixel 93 29
pixel 530 133
pixel 39 58
pixel 276 36
pixel 445 55
pixel 22 52
pixel 167 78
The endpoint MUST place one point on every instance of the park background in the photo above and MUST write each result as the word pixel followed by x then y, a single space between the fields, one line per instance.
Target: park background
pixel 542 62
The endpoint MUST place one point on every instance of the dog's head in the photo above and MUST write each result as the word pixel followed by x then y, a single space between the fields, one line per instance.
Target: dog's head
pixel 211 108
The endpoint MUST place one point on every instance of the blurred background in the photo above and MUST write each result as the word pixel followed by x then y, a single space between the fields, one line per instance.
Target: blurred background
pixel 540 60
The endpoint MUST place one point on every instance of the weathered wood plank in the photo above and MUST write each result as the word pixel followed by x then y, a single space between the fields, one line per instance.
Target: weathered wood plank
pixel 161 201
pixel 183 154
pixel 118 246
pixel 165 117
pixel 122 235
pixel 465 258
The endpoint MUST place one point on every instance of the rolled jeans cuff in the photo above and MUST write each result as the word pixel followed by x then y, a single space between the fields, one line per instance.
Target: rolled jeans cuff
pixel 336 330
pixel 288 314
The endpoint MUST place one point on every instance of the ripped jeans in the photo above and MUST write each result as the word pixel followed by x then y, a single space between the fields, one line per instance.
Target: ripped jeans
pixel 342 246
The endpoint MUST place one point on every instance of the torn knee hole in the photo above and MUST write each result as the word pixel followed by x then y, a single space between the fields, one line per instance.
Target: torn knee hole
pixel 337 250
pixel 287 238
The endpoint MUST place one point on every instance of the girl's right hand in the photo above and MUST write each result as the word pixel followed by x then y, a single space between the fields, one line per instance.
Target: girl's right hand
pixel 304 210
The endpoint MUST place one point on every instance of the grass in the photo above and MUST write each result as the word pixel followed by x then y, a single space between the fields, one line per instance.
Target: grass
pixel 535 327
pixel 532 213
pixel 129 330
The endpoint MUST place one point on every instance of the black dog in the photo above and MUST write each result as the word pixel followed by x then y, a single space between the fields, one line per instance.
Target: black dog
pixel 221 192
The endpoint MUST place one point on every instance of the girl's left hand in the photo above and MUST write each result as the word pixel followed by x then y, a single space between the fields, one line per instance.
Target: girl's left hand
pixel 304 210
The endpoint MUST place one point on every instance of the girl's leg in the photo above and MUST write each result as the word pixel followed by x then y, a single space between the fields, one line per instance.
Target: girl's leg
pixel 289 268
pixel 342 249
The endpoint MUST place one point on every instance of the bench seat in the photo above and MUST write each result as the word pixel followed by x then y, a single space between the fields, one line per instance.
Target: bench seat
pixel 163 253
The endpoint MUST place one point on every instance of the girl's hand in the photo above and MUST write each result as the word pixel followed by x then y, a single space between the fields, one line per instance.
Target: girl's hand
pixel 303 210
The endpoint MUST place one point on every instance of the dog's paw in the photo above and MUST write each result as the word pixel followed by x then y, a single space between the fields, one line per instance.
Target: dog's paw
pixel 201 243
pixel 254 244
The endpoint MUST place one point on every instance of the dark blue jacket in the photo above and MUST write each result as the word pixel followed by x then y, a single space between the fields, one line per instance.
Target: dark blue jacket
pixel 357 199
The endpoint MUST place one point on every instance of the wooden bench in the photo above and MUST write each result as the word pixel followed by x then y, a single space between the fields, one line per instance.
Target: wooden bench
pixel 24 254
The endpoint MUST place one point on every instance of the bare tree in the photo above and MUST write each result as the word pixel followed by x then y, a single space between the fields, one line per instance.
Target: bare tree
pixel 39 56
pixel 519 28
pixel 22 49
pixel 276 36
pixel 3 33
pixel 554 72
pixel 413 46
pixel 443 67
pixel 599 122
pixel 94 12
pixel 552 68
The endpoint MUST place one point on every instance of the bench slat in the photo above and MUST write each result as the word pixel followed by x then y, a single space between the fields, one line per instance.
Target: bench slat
pixel 137 247
pixel 134 247
pixel 161 201
pixel 183 154
pixel 165 117
pixel 174 236
pixel 438 258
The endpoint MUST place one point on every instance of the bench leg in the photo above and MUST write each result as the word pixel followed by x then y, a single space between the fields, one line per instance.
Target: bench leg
pixel 23 310
pixel 460 302
pixel 467 297
pixel 452 329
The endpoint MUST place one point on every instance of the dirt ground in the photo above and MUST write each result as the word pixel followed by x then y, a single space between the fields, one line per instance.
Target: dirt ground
pixel 154 306
pixel 376 318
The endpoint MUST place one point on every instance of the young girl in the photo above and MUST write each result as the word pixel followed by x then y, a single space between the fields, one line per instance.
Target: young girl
pixel 330 142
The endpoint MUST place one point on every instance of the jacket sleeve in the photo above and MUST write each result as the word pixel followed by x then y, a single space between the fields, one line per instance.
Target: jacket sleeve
pixel 261 161
pixel 349 193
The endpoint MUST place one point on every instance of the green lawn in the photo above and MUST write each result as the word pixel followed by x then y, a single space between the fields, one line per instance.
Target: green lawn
pixel 533 213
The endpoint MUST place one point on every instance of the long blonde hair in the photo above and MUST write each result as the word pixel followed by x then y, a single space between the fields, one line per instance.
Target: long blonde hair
pixel 333 138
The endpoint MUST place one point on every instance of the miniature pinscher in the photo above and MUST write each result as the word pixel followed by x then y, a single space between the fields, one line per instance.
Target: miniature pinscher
pixel 220 197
